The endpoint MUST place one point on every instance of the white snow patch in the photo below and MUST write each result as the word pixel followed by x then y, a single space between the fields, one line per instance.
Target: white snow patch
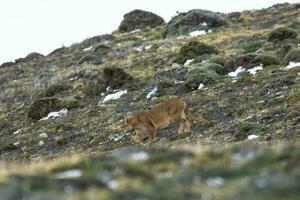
pixel 73 173
pixel 251 137
pixel 236 72
pixel 114 96
pixel 167 174
pixel 88 48
pixel 74 78
pixel 16 132
pixel 152 92
pixel 178 82
pixel 201 86
pixel 209 31
pixel 197 33
pixel 255 69
pixel 215 181
pixel 181 37
pixel 293 65
pixel 52 115
pixel 112 184
pixel 188 62
pixel 139 49
pixel 16 143
pixel 139 156
pixel 204 24
pixel 135 30
pixel 148 47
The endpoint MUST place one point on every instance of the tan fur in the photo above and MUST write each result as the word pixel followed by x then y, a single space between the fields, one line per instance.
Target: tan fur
pixel 147 122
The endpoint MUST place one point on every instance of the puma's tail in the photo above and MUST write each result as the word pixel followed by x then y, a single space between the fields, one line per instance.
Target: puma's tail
pixel 200 119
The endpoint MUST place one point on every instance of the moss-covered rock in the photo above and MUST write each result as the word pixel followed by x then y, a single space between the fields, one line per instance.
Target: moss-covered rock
pixel 245 60
pixel 201 75
pixel 41 107
pixel 267 59
pixel 55 89
pixel 282 33
pixel 292 56
pixel 213 66
pixel 70 103
pixel 138 19
pixel 247 128
pixel 216 59
pixel 88 58
pixel 194 20
pixel 192 50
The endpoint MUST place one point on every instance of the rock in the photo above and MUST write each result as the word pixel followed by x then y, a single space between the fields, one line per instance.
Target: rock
pixel 43 135
pixel 292 56
pixel 96 39
pixel 7 64
pixel 192 50
pixel 167 79
pixel 88 58
pixel 60 140
pixel 54 89
pixel 267 59
pixel 30 57
pixel 41 107
pixel 219 69
pixel 201 75
pixel 282 33
pixel 41 143
pixel 247 61
pixel 194 20
pixel 139 19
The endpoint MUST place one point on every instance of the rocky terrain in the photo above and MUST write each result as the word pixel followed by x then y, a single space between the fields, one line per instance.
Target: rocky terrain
pixel 61 113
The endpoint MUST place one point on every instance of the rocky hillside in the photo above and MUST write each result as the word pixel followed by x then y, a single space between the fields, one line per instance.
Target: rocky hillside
pixel 61 113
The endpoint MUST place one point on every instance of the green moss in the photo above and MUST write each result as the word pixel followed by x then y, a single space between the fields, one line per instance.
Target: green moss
pixel 56 89
pixel 267 59
pixel 251 45
pixel 217 59
pixel 42 107
pixel 247 128
pixel 201 75
pixel 292 56
pixel 192 50
pixel 71 103
pixel 282 33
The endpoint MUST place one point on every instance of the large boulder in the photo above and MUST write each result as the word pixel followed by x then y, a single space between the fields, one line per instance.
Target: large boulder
pixel 192 50
pixel 138 19
pixel 194 20
pixel 114 78
pixel 42 107
pixel 282 33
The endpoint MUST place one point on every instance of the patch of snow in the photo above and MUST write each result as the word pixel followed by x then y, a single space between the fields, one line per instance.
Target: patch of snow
pixel 73 173
pixel 135 31
pixel 41 143
pixel 139 49
pixel 52 115
pixel 178 82
pixel 188 62
pixel 139 156
pixel 167 174
pixel 261 183
pixel 251 137
pixel 148 47
pixel 204 24
pixel 112 184
pixel 235 73
pixel 16 143
pixel 114 96
pixel 293 65
pixel 151 93
pixel 43 135
pixel 197 33
pixel 74 78
pixel 180 37
pixel 117 137
pixel 215 181
pixel 201 86
pixel 255 69
pixel 88 48
pixel 16 132
pixel 209 31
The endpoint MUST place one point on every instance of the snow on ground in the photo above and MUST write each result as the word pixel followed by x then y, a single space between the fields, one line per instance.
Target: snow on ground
pixel 139 49
pixel 235 73
pixel 148 47
pixel 188 62
pixel 52 115
pixel 135 31
pixel 73 173
pixel 255 69
pixel 114 96
pixel 293 65
pixel 197 33
pixel 16 132
pixel 176 82
pixel 251 137
pixel 150 94
pixel 88 48
pixel 215 181
pixel 201 86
